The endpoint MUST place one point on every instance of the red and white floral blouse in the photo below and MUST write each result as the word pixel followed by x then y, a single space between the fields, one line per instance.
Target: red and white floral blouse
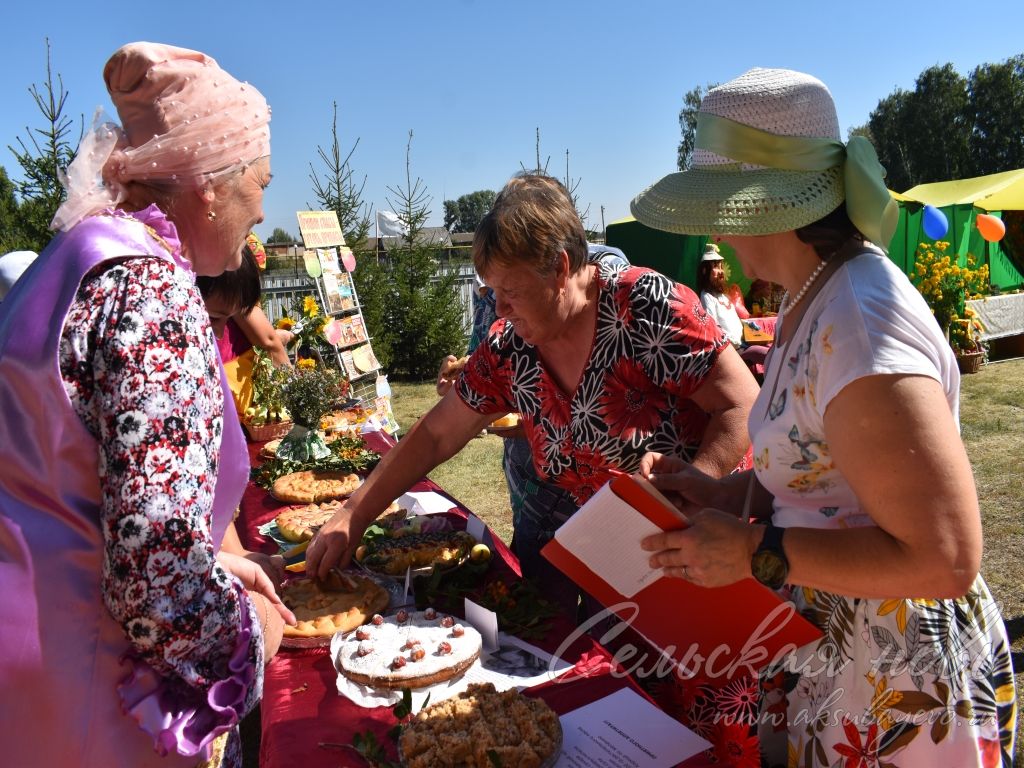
pixel 131 334
pixel 653 345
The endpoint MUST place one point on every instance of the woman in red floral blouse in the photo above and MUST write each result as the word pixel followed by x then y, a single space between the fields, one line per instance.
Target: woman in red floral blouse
pixel 602 363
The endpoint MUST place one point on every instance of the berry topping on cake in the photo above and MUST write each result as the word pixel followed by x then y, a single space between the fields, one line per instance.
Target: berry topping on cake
pixel 402 655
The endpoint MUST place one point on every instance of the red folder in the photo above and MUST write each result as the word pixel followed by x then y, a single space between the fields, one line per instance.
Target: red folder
pixel 714 633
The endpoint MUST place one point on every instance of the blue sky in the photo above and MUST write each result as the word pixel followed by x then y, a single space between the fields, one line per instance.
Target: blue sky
pixel 474 80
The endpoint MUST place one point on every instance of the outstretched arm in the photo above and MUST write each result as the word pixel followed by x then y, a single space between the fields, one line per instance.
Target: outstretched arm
pixel 727 395
pixel 260 333
pixel 435 438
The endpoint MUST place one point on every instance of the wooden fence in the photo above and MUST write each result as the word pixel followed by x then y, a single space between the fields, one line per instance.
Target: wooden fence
pixel 283 289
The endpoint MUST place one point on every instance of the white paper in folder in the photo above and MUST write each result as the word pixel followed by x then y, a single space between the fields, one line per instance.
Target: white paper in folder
pixel 605 534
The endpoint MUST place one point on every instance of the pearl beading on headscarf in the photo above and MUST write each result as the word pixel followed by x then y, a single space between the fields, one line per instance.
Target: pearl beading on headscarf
pixel 201 124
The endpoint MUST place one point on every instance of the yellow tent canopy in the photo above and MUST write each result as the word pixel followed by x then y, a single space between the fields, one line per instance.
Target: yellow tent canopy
pixel 996 192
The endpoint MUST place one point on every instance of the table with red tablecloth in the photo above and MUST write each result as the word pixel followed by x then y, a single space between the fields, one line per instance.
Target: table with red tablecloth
pixel 304 719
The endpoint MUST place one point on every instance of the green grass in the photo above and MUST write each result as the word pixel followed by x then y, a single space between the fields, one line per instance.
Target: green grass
pixel 992 424
pixel 474 475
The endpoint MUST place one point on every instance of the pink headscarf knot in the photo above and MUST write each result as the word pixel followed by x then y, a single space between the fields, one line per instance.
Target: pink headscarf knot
pixel 183 119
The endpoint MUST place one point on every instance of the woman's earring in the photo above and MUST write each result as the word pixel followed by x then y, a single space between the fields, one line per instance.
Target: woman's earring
pixel 211 215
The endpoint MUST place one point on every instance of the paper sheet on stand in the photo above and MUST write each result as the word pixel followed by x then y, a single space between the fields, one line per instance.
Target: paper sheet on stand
pixel 424 503
pixel 624 729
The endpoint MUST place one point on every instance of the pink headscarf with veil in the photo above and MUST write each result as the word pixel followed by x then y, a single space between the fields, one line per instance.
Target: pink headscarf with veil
pixel 183 119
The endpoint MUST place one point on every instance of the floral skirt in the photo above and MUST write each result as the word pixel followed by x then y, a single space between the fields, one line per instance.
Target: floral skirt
pixel 918 683
pixel 907 682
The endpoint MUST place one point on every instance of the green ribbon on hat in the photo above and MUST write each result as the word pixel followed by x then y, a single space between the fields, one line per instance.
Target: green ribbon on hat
pixel 868 202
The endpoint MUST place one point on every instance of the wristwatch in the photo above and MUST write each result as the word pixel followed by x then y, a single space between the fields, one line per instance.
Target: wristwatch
pixel 768 564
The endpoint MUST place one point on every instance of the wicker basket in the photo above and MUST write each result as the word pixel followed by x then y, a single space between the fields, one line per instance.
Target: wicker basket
pixel 261 433
pixel 969 362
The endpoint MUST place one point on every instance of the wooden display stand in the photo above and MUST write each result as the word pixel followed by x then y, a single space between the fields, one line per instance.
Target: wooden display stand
pixel 337 295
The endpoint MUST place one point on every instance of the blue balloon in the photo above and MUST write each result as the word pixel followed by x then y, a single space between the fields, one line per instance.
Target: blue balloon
pixel 934 223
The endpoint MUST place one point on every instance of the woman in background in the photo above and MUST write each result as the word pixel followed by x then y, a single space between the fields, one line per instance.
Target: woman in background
pixel 233 303
pixel 711 288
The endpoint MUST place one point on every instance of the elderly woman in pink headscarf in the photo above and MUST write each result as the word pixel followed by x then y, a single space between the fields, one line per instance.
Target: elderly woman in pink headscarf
pixel 128 638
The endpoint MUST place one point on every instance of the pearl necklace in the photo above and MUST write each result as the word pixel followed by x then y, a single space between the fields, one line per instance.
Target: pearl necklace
pixel 788 305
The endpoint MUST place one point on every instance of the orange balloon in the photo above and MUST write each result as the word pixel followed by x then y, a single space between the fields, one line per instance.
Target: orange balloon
pixel 991 227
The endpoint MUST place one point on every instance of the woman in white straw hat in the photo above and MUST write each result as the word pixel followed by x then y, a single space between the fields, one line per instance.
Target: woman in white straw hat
pixel 873 527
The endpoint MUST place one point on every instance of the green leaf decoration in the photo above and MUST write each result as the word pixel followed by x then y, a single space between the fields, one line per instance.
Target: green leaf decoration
pixel 348 454
pixel 310 393
pixel 402 709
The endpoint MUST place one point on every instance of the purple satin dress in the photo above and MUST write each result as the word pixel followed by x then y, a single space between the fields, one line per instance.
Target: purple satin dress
pixel 71 691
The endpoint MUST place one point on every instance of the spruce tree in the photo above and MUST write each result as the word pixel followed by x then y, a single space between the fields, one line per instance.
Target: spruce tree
pixel 43 156
pixel 422 319
pixel 337 189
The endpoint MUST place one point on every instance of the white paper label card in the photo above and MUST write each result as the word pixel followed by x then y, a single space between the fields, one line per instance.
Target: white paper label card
pixel 624 729
pixel 486 623
pixel 475 527
pixel 424 503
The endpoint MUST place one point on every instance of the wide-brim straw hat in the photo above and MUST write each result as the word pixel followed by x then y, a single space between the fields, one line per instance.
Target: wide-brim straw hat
pixel 721 195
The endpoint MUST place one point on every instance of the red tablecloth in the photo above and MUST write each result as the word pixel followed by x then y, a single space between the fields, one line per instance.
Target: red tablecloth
pixel 306 722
